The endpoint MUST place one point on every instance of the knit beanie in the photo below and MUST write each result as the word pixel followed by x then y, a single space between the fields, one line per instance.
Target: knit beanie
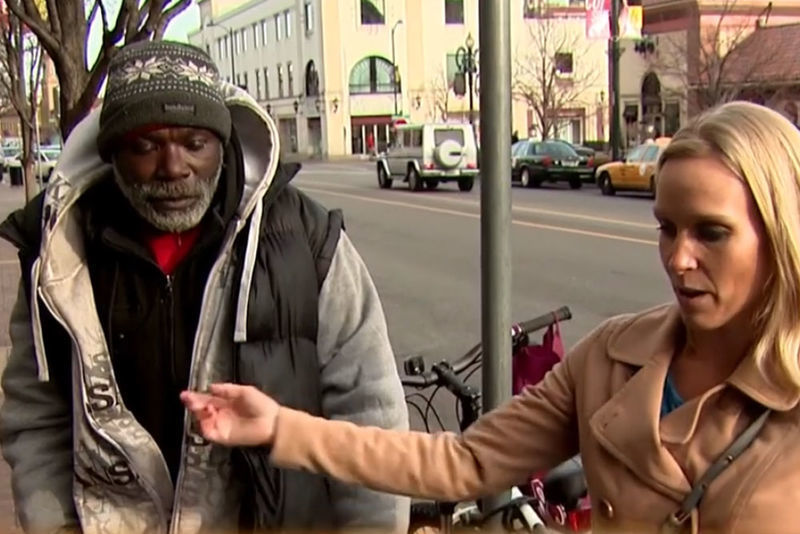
pixel 161 83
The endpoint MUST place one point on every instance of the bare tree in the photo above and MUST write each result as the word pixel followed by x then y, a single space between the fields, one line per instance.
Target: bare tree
pixel 439 91
pixel 546 77
pixel 63 28
pixel 707 64
pixel 22 63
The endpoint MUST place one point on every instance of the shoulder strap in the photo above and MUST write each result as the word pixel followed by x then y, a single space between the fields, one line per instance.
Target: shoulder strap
pixel 675 520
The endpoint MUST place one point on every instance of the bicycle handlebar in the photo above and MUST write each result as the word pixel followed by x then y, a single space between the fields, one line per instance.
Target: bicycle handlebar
pixel 445 374
pixel 442 374
pixel 543 321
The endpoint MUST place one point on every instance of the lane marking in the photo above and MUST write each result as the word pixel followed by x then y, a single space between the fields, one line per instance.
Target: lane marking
pixel 524 209
pixel 445 211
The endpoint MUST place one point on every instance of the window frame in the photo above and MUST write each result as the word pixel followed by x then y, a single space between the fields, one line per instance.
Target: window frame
pixel 459 18
pixel 381 9
pixel 308 14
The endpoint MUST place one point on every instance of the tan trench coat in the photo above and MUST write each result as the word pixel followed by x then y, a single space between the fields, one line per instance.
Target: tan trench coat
pixel 602 401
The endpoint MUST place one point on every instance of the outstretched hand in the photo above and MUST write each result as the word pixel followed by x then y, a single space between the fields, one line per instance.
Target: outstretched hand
pixel 233 415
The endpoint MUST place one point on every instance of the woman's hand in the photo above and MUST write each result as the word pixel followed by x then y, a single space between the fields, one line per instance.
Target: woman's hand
pixel 233 415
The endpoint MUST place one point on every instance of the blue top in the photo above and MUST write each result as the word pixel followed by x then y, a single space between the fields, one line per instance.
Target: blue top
pixel 671 399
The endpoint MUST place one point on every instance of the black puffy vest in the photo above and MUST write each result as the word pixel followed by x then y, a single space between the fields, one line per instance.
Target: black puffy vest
pixel 297 241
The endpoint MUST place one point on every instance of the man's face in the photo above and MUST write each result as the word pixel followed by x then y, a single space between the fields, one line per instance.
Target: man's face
pixel 169 175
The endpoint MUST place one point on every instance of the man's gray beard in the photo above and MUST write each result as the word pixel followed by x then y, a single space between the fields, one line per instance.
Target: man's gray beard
pixel 140 196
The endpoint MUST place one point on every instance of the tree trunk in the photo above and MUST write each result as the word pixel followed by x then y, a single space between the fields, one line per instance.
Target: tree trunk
pixel 26 161
pixel 29 177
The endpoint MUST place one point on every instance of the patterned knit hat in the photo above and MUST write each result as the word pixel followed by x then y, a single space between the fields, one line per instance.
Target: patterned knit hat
pixel 161 83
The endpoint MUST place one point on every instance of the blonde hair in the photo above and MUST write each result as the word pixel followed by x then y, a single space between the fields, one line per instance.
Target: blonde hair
pixel 762 148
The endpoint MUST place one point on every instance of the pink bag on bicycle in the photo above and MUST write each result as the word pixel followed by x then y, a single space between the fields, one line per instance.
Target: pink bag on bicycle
pixel 531 362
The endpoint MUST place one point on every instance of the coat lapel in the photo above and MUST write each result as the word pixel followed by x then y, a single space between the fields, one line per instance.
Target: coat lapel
pixel 627 426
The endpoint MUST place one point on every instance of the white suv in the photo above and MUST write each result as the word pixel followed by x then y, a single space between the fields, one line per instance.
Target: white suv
pixel 426 154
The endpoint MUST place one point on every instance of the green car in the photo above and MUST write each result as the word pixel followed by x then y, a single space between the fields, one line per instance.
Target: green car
pixel 534 162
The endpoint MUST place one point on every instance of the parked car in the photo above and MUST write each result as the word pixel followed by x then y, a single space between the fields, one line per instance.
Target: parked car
pixel 636 173
pixel 598 157
pixel 44 162
pixel 424 155
pixel 7 153
pixel 534 162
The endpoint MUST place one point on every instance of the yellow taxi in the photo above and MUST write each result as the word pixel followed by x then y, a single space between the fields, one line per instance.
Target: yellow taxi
pixel 636 173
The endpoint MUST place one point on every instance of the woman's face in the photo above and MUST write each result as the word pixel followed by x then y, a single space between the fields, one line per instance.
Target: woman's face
pixel 712 243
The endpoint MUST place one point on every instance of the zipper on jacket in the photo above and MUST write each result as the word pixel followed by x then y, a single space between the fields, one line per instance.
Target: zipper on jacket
pixel 149 489
pixel 171 325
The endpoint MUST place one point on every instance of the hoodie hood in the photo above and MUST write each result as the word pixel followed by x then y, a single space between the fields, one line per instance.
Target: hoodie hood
pixel 61 264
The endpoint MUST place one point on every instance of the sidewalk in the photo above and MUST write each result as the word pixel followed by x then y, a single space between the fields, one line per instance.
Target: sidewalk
pixel 10 198
pixel 7 517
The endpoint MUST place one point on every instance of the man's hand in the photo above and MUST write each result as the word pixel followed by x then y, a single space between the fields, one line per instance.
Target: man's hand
pixel 234 415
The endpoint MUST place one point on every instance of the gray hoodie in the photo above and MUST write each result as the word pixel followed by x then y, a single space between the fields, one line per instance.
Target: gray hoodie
pixel 95 466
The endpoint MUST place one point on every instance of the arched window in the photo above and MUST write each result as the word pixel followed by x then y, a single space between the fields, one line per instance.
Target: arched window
pixel 372 12
pixel 651 95
pixel 373 74
pixel 312 79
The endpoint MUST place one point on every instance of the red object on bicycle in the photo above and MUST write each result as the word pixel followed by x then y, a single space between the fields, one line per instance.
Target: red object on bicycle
pixel 531 362
pixel 529 366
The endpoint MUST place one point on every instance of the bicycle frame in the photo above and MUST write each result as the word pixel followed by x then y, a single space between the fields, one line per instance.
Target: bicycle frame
pixel 444 374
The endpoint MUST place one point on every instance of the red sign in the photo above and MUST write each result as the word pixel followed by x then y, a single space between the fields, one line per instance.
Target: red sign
pixel 598 25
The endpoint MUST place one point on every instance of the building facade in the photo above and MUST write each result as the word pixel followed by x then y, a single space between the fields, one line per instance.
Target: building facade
pixel 46 120
pixel 689 51
pixel 336 74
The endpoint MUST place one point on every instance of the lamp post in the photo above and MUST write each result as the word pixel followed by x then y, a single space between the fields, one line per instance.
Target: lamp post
pixel 467 63
pixel 394 66
pixel 229 33
pixel 614 54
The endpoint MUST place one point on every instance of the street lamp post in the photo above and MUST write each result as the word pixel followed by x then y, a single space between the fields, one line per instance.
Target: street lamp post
pixel 229 33
pixel 394 66
pixel 467 63
pixel 614 54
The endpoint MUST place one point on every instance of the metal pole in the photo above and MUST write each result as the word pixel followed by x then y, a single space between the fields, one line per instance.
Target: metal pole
pixel 471 65
pixel 394 66
pixel 495 100
pixel 394 72
pixel 233 63
pixel 614 73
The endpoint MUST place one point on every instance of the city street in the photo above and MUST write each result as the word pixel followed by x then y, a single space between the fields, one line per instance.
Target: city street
pixel 596 254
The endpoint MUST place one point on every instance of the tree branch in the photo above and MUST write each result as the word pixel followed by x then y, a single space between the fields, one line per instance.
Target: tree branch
pixel 169 14
pixel 54 18
pixel 35 22
pixel 132 22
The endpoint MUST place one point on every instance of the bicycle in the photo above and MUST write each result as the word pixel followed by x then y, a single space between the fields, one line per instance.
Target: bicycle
pixel 519 512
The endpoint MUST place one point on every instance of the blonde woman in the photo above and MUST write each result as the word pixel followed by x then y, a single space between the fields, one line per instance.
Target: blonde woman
pixel 686 415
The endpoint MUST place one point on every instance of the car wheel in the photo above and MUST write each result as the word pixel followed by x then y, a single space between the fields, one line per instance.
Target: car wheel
pixel 414 181
pixel 431 184
pixel 525 178
pixel 606 187
pixel 466 184
pixel 384 182
pixel 653 186
pixel 575 182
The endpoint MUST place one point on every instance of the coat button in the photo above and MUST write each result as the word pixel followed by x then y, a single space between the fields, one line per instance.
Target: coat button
pixel 605 509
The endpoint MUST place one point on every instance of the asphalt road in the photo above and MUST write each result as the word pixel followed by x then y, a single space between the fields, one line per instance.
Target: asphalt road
pixel 595 254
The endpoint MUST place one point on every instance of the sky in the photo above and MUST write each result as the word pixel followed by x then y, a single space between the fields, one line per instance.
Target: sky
pixel 178 30
pixel 187 21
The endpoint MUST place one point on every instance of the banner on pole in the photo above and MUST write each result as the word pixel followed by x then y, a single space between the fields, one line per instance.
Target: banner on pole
pixel 598 25
pixel 630 22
